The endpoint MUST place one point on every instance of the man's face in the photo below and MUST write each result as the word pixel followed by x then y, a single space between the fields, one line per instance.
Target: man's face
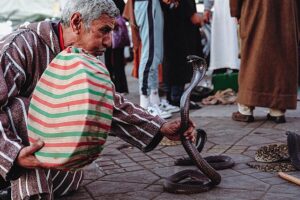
pixel 98 37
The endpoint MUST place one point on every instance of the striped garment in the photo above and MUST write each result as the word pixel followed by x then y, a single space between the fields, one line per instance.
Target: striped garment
pixel 24 55
pixel 71 110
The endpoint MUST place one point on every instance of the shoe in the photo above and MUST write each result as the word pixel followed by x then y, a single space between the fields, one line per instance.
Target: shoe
pixel 293 142
pixel 277 120
pixel 155 110
pixel 5 194
pixel 200 93
pixel 237 116
pixel 165 106
pixel 194 106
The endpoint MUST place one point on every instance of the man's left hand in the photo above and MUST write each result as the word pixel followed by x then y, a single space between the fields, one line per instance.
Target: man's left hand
pixel 170 130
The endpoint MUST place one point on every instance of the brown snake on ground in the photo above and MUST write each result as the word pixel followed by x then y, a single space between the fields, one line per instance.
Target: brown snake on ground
pixel 196 181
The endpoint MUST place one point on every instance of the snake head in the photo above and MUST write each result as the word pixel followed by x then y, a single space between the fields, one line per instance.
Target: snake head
pixel 196 61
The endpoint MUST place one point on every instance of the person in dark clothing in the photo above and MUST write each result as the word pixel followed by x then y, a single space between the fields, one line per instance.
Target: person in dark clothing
pixel 181 38
pixel 115 61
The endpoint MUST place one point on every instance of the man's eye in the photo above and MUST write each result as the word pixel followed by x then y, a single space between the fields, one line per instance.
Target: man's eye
pixel 105 30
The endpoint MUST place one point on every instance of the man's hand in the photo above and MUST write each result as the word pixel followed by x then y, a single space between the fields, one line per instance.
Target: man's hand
pixel 207 16
pixel 197 19
pixel 170 130
pixel 26 156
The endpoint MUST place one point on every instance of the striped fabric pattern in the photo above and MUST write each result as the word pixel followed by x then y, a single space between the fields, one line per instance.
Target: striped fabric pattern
pixel 71 110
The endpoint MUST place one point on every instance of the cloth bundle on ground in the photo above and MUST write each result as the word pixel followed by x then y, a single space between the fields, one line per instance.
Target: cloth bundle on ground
pixel 223 97
pixel 71 110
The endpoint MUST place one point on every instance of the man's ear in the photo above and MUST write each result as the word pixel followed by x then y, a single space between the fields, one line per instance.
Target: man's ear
pixel 76 22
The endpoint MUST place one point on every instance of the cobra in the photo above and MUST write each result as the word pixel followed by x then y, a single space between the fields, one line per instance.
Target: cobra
pixel 206 177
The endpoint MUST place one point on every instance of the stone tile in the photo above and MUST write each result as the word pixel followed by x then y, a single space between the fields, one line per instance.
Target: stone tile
pixel 228 194
pixel 133 168
pixel 238 158
pixel 154 166
pixel 93 171
pixel 228 173
pixel 238 147
pixel 128 164
pixel 142 176
pixel 138 195
pixel 168 171
pixel 126 160
pixel 159 156
pixel 254 140
pixel 247 171
pixel 143 158
pixel 170 196
pixel 114 171
pixel 275 180
pixel 81 194
pixel 174 151
pixel 236 151
pixel 102 188
pixel 155 188
pixel 216 151
pixel 243 182
pixel 262 175
pixel 240 166
pixel 143 195
pixel 272 196
pixel 287 188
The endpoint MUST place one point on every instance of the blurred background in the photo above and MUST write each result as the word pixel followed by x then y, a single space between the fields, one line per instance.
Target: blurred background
pixel 13 13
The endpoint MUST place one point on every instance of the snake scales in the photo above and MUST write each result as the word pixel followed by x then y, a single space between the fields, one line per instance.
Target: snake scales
pixel 272 158
pixel 192 181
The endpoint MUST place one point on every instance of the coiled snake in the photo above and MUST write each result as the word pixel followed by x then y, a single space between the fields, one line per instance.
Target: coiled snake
pixel 196 181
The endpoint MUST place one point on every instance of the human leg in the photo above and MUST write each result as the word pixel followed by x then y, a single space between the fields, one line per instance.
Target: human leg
pixel 146 14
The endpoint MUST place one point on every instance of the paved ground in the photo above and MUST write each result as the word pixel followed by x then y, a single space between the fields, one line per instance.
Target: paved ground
pixel 130 174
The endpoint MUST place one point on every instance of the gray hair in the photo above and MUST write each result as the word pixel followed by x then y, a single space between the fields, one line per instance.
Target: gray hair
pixel 89 10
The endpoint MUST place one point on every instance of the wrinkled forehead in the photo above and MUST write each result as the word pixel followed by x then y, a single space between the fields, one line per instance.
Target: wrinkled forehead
pixel 104 20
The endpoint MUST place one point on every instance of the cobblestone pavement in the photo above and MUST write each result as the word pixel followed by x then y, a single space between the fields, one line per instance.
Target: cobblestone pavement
pixel 130 174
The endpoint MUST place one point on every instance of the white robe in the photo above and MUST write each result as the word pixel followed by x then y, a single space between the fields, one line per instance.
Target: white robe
pixel 224 41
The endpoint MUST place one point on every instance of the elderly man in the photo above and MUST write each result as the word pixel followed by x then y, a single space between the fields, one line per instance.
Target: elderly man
pixel 24 55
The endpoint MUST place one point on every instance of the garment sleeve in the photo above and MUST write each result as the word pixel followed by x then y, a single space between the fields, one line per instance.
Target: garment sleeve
pixel 134 125
pixel 189 7
pixel 13 105
pixel 208 4
pixel 235 8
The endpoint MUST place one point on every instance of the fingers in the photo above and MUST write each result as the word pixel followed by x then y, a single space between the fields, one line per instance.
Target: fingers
pixel 34 147
pixel 191 123
pixel 190 134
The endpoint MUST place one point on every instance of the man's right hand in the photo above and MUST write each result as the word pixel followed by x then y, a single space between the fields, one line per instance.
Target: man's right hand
pixel 26 156
pixel 207 16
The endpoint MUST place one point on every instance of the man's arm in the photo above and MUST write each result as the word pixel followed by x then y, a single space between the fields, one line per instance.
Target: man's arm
pixel 134 125
pixel 13 104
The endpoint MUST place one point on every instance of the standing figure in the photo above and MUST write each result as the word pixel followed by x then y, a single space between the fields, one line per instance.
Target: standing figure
pixel 147 25
pixel 224 38
pixel 181 38
pixel 115 61
pixel 268 74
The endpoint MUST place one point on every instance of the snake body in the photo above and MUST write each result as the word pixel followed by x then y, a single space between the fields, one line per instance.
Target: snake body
pixel 197 181
pixel 272 158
